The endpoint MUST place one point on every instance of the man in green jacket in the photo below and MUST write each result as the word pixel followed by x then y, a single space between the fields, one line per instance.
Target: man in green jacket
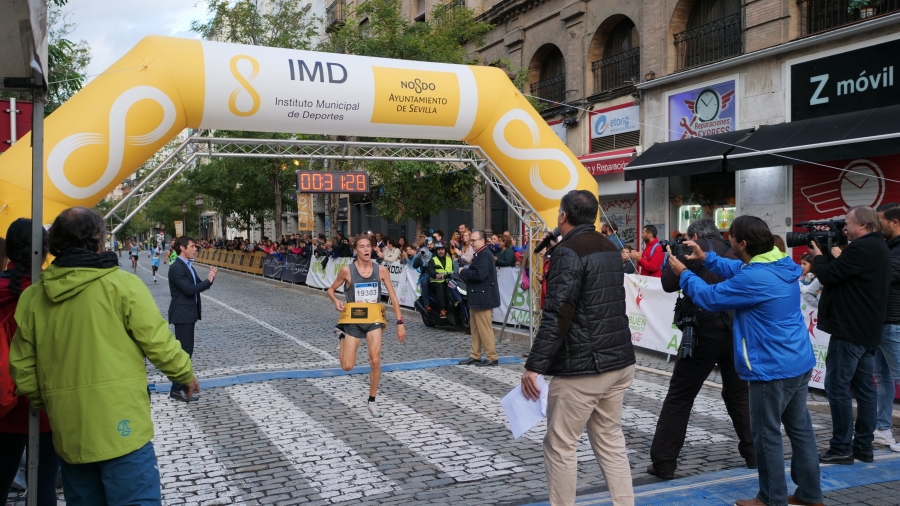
pixel 84 331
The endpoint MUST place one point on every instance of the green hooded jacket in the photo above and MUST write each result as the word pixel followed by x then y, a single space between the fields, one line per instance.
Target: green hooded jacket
pixel 79 354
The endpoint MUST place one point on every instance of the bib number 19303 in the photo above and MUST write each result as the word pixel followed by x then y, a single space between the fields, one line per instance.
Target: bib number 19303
pixel 366 292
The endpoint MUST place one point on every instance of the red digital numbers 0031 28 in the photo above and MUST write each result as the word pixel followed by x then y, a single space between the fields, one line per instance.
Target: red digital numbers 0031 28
pixel 324 182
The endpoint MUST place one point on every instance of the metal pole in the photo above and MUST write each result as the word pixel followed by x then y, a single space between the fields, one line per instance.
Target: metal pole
pixel 13 135
pixel 37 247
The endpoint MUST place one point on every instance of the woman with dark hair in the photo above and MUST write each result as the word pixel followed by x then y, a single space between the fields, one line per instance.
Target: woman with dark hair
pixel 507 255
pixel 14 415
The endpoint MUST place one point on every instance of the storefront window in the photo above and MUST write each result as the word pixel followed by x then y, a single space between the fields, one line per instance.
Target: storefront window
pixel 701 196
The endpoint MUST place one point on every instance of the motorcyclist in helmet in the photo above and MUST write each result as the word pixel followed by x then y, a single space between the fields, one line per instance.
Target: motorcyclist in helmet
pixel 439 271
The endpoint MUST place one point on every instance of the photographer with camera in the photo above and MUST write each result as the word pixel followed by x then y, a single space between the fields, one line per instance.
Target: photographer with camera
pixel 712 345
pixel 773 352
pixel 852 309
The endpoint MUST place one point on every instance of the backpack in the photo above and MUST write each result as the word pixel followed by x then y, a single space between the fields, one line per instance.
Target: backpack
pixel 8 397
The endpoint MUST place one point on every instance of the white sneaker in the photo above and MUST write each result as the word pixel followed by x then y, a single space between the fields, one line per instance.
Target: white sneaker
pixel 895 447
pixel 376 413
pixel 884 437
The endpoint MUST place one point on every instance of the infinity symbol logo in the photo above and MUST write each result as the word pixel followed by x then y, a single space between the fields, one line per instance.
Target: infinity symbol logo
pixel 57 158
pixel 534 154
pixel 245 83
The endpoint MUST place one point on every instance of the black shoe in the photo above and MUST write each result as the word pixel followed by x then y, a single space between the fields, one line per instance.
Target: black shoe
pixel 179 395
pixel 863 457
pixel 486 363
pixel 469 361
pixel 831 458
pixel 751 464
pixel 666 476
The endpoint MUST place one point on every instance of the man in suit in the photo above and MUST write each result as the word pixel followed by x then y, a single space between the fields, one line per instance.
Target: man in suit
pixel 184 310
pixel 484 296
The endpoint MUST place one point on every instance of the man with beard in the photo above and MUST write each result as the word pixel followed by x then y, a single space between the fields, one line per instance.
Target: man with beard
pixel 650 260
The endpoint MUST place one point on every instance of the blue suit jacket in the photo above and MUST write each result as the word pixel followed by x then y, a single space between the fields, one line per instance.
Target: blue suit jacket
pixel 186 302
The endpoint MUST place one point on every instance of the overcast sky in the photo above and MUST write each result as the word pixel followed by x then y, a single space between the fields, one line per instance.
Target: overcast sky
pixel 112 27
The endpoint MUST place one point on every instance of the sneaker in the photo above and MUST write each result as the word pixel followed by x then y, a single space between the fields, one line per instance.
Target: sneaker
pixel 895 447
pixel 373 409
pixel 884 437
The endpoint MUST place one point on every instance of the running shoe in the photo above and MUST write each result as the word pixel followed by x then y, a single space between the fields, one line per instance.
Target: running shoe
pixel 884 437
pixel 373 409
pixel 895 447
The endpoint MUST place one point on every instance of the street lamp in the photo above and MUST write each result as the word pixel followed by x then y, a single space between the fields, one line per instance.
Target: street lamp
pixel 183 218
pixel 199 200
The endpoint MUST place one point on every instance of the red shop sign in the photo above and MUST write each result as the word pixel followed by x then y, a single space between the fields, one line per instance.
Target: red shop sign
pixel 607 162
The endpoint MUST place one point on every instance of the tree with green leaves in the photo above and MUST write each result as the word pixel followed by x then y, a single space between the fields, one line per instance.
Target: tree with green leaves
pixel 414 190
pixel 277 23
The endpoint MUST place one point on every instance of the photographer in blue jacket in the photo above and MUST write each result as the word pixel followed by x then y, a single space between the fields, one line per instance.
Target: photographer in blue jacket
pixel 772 351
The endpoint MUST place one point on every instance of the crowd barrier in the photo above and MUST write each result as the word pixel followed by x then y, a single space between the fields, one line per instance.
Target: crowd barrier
pixel 650 309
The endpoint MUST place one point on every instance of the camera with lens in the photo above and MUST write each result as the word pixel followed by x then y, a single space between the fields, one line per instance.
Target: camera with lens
pixel 686 321
pixel 825 233
pixel 678 246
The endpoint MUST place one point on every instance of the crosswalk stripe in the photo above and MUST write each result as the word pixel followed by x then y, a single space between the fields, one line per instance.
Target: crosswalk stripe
pixel 443 447
pixel 183 451
pixel 638 419
pixel 330 465
pixel 478 402
pixel 703 405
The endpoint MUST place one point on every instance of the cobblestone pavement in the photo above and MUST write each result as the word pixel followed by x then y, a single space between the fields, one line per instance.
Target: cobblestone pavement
pixel 443 438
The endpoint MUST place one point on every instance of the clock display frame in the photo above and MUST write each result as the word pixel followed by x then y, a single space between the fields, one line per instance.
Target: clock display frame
pixel 697 104
pixel 322 181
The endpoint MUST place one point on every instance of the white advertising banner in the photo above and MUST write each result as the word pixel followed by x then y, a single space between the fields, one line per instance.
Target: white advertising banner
pixel 406 289
pixel 819 340
pixel 650 313
pixel 508 282
pixel 286 90
pixel 323 277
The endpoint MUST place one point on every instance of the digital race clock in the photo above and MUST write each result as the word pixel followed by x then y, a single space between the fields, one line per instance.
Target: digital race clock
pixel 317 181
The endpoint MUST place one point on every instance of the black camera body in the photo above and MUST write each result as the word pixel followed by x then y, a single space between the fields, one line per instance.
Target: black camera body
pixel 678 247
pixel 826 234
pixel 686 321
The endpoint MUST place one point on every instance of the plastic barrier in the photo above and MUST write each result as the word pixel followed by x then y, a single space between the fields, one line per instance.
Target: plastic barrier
pixel 163 85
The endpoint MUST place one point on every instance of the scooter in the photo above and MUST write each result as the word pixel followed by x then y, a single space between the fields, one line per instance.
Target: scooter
pixel 457 316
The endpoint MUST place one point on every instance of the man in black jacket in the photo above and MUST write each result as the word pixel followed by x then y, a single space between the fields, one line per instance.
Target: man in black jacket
pixel 184 309
pixel 584 342
pixel 484 296
pixel 887 358
pixel 713 345
pixel 852 310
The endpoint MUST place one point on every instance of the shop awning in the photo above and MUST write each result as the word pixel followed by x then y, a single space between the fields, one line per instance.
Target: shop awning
pixel 862 134
pixel 607 162
pixel 697 155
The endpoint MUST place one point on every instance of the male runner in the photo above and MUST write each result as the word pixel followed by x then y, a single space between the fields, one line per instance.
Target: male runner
pixel 362 285
pixel 135 252
pixel 154 259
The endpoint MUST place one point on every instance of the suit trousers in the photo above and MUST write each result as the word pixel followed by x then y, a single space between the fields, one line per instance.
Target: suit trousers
pixel 184 333
pixel 594 400
pixel 687 380
pixel 482 334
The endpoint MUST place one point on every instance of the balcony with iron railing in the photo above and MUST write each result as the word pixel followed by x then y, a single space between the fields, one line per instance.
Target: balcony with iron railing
pixel 821 15
pixel 334 16
pixel 718 40
pixel 617 71
pixel 553 89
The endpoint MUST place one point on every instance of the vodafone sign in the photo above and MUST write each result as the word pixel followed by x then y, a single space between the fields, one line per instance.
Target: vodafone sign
pixel 821 193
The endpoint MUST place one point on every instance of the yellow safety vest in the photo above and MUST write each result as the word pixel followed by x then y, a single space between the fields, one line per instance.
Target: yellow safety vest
pixel 446 270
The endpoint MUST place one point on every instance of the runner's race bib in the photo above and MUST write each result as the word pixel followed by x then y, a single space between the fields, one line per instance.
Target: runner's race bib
pixel 366 292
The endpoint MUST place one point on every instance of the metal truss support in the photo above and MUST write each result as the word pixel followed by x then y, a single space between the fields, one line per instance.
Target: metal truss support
pixel 457 155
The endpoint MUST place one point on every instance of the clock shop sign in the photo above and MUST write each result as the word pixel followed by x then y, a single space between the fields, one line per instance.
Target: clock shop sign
pixel 702 112
pixel 846 82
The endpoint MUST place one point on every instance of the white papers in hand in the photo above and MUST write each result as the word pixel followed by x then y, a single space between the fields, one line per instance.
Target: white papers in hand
pixel 523 414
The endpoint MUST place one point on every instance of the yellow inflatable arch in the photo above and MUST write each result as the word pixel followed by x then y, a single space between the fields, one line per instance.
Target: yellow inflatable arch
pixel 164 85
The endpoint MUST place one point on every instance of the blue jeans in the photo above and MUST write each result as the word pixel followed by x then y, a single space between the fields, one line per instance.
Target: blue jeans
pixel 423 283
pixel 851 366
pixel 887 367
pixel 131 480
pixel 773 403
